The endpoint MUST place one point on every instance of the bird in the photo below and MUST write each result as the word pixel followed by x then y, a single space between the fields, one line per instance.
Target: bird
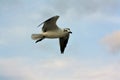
pixel 51 30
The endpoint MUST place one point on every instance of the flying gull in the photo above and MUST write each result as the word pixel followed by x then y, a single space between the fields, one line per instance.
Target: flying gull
pixel 51 30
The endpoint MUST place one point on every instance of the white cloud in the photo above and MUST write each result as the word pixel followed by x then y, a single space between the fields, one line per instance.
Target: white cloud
pixel 65 69
pixel 109 72
pixel 25 69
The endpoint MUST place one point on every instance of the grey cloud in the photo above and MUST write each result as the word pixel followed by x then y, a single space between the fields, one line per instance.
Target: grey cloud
pixel 67 7
pixel 9 3
pixel 82 7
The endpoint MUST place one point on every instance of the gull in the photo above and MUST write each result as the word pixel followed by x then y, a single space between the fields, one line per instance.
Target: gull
pixel 51 30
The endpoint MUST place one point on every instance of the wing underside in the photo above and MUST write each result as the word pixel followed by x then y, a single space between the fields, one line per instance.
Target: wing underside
pixel 63 43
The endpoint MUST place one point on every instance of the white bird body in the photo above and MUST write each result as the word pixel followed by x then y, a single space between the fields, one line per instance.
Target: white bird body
pixel 54 34
pixel 49 34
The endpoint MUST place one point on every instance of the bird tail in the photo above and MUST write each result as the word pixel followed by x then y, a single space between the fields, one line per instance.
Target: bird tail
pixel 36 36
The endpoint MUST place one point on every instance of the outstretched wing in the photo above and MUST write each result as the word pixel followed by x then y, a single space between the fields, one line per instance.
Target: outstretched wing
pixel 63 42
pixel 49 24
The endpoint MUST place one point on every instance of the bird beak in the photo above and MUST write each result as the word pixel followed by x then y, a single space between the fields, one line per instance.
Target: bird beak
pixel 70 32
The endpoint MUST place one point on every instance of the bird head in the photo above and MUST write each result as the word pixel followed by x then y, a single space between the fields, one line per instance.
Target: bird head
pixel 67 30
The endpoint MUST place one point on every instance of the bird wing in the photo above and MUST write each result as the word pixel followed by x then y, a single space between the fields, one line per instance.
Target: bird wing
pixel 63 42
pixel 49 24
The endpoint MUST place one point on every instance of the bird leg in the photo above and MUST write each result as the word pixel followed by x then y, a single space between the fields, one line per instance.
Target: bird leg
pixel 40 39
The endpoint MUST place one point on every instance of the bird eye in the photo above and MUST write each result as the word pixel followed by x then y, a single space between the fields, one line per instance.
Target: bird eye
pixel 65 30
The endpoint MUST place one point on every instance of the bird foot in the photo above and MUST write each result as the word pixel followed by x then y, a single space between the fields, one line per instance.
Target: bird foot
pixel 40 39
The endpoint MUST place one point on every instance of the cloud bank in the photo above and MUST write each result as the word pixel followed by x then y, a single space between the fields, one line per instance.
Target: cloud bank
pixel 112 41
pixel 65 69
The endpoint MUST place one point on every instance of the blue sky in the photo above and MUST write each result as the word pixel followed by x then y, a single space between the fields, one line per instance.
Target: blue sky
pixel 93 50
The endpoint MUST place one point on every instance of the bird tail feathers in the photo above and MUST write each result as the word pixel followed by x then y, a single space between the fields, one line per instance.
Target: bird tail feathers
pixel 36 36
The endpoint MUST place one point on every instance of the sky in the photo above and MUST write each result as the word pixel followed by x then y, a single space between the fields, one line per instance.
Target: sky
pixel 92 52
